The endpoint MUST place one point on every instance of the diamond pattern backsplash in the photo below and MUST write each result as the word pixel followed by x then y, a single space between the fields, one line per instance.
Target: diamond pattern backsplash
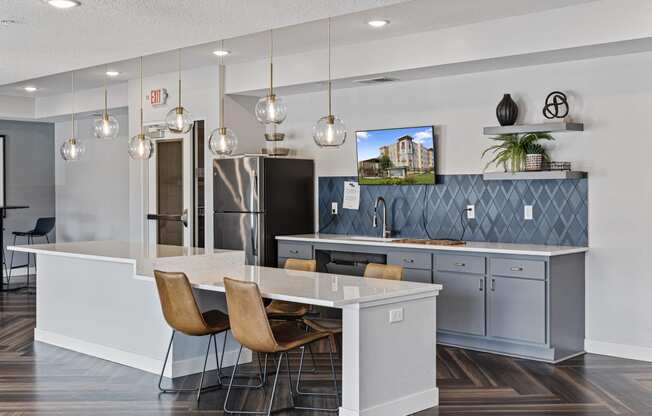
pixel 560 209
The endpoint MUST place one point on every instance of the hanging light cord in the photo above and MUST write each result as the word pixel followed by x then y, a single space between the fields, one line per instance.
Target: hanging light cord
pixel 141 99
pixel 271 62
pixel 106 100
pixel 72 114
pixel 221 87
pixel 179 69
pixel 330 90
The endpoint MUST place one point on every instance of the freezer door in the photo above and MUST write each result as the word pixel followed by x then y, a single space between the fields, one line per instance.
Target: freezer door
pixel 241 231
pixel 237 184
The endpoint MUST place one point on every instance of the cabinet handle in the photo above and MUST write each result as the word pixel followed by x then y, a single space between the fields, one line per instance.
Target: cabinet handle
pixel 460 264
pixel 481 285
pixel 493 285
pixel 408 260
pixel 294 251
pixel 517 269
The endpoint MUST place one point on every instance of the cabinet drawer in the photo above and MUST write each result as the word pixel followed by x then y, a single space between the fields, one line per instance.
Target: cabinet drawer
pixel 417 275
pixel 459 263
pixel 410 260
pixel 295 251
pixel 532 269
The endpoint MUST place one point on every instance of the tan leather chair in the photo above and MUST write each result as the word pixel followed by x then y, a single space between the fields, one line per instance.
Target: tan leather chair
pixel 384 271
pixel 251 327
pixel 279 309
pixel 183 315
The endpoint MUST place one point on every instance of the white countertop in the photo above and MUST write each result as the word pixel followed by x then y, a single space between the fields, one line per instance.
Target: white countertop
pixel 324 289
pixel 109 250
pixel 207 270
pixel 470 246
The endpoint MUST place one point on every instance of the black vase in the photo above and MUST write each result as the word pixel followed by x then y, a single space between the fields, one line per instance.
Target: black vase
pixel 507 111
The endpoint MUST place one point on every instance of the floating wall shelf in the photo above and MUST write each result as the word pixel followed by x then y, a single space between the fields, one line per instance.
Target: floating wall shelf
pixel 534 128
pixel 533 175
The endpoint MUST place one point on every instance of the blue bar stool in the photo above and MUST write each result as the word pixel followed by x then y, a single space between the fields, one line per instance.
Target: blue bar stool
pixel 43 227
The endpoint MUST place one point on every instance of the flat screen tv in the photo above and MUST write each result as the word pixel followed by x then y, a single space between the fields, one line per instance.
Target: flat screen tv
pixel 400 156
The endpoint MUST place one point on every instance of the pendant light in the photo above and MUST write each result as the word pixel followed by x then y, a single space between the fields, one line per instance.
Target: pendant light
pixel 72 149
pixel 178 119
pixel 140 146
pixel 106 127
pixel 271 109
pixel 329 131
pixel 223 140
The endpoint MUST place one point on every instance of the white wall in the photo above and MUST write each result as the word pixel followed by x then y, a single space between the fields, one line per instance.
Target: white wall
pixel 92 194
pixel 612 96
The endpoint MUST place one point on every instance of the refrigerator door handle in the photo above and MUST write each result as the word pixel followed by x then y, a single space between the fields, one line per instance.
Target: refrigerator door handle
pixel 254 189
pixel 254 235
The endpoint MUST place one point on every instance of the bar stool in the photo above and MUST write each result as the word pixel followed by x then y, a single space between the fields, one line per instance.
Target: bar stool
pixel 182 314
pixel 250 326
pixel 43 227
pixel 279 309
pixel 334 326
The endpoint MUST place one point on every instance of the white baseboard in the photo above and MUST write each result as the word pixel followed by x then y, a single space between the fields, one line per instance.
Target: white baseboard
pixel 173 369
pixel 632 352
pixel 403 406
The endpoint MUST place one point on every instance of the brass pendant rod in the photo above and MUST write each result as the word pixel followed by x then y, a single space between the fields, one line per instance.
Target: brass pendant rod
pixel 179 68
pixel 271 62
pixel 330 88
pixel 221 87
pixel 72 113
pixel 106 100
pixel 142 128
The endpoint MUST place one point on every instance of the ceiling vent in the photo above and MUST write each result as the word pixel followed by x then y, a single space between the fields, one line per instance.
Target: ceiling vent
pixel 376 80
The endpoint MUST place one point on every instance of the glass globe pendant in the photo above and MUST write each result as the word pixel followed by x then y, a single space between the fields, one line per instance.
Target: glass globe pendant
pixel 72 150
pixel 329 131
pixel 271 109
pixel 140 146
pixel 178 119
pixel 223 141
pixel 106 126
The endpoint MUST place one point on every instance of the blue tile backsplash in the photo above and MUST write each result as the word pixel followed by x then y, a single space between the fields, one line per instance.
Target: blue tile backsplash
pixel 560 210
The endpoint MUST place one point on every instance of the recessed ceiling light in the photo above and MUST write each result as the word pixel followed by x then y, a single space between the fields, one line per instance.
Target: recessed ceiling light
pixel 112 73
pixel 378 23
pixel 63 4
pixel 30 88
pixel 221 52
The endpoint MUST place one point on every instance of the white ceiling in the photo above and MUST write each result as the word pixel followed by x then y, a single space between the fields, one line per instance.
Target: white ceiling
pixel 49 41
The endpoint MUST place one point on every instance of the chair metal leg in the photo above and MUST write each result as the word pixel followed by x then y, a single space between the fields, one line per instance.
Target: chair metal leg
pixel 203 372
pixel 262 373
pixel 334 375
pixel 271 400
pixel 11 262
pixel 192 390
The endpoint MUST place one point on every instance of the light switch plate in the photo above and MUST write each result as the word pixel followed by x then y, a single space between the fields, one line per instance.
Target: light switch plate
pixel 334 208
pixel 528 213
pixel 470 212
pixel 395 315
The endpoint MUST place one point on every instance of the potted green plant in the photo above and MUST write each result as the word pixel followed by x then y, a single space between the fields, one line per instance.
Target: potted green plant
pixel 512 151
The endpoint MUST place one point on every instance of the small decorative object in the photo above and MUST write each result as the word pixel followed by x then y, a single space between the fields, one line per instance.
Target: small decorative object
pixel 275 151
pixel 557 165
pixel 533 162
pixel 272 135
pixel 513 150
pixel 507 111
pixel 556 105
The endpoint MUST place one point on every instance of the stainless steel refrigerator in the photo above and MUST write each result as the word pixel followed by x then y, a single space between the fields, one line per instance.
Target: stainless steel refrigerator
pixel 257 198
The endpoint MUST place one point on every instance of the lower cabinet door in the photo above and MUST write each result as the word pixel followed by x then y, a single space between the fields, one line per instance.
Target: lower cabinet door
pixel 516 309
pixel 417 275
pixel 460 305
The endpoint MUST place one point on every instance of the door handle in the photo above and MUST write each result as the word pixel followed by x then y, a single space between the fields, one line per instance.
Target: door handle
pixel 493 285
pixel 481 284
pixel 184 218
pixel 254 238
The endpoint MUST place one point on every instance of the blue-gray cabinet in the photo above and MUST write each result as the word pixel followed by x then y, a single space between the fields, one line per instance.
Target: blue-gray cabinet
pixel 530 306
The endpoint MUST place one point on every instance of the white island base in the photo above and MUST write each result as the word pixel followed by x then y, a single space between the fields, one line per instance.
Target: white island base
pixel 89 301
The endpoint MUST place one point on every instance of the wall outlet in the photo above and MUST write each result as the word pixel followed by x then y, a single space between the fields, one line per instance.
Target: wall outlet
pixel 470 212
pixel 528 213
pixel 334 208
pixel 395 315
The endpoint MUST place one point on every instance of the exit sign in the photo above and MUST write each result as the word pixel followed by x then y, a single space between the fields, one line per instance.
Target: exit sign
pixel 158 97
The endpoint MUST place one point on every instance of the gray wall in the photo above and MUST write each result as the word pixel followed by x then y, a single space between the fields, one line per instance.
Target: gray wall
pixel 30 175
pixel 92 194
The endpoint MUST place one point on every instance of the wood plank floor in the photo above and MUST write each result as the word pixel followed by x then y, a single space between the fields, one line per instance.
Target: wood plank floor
pixel 38 379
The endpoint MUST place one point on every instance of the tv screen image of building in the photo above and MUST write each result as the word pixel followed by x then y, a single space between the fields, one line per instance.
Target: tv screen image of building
pixel 401 156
